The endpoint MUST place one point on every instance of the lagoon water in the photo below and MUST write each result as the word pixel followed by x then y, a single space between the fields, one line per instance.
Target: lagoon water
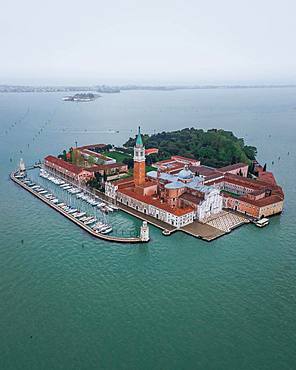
pixel 68 301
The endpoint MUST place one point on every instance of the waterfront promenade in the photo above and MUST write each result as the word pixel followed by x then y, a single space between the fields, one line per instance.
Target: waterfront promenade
pixel 196 229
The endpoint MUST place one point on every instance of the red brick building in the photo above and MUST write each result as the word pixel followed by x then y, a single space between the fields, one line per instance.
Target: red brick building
pixel 254 197
pixel 67 170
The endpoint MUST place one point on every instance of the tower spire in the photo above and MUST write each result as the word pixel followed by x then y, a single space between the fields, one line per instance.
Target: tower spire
pixel 139 141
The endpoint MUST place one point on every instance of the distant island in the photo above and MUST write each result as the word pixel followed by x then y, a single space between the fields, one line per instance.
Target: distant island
pixel 215 147
pixel 49 89
pixel 82 97
pixel 117 89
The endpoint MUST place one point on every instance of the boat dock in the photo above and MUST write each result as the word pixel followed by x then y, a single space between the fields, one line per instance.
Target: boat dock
pixel 202 231
pixel 72 218
pixel 196 229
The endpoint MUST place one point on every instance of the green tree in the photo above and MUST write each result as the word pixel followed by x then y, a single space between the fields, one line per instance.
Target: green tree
pixel 71 155
pixel 214 147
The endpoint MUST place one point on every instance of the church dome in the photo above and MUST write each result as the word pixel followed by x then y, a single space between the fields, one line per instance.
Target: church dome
pixel 185 174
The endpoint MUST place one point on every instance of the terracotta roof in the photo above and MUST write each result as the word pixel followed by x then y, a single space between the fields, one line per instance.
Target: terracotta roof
pixel 157 203
pixel 259 202
pixel 231 167
pixel 100 146
pixel 239 180
pixel 95 154
pixel 204 170
pixel 256 183
pixel 267 177
pixel 164 161
pixel 214 176
pixel 258 186
pixel 98 167
pixel 191 198
pixel 66 165
pixel 174 168
pixel 151 151
pixel 126 180
pixel 179 157
pixel 147 184
pixel 263 201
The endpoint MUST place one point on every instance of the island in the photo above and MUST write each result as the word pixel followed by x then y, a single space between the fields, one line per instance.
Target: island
pixel 203 183
pixel 82 97
pixel 106 89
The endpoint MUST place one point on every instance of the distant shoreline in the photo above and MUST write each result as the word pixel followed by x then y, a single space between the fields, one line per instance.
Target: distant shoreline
pixel 118 89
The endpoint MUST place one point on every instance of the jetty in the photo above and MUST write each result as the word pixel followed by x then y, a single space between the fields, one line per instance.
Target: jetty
pixel 14 176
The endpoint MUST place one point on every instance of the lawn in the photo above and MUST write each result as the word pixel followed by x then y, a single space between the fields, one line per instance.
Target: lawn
pixel 150 168
pixel 116 155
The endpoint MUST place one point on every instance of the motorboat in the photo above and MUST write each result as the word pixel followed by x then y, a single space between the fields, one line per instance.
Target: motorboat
pixel 84 218
pixel 79 214
pixel 262 222
pixel 91 221
pixel 107 231
pixel 72 210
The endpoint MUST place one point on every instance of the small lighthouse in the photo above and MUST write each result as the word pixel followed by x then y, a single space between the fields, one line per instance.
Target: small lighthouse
pixel 144 235
pixel 22 167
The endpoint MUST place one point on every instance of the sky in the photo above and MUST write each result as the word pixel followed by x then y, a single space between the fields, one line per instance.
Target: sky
pixel 147 42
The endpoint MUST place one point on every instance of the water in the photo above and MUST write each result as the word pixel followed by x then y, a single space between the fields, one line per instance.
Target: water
pixel 68 301
pixel 121 224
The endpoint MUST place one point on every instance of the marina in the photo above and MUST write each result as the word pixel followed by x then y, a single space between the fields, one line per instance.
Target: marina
pixel 92 222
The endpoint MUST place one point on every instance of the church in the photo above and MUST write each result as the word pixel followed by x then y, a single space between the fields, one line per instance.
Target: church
pixel 177 199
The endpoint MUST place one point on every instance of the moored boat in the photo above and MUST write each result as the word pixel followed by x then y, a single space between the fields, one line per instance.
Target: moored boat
pixel 262 222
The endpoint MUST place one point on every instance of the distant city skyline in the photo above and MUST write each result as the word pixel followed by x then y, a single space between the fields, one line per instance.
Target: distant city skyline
pixel 156 42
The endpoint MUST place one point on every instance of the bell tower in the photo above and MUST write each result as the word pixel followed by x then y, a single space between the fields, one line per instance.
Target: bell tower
pixel 139 160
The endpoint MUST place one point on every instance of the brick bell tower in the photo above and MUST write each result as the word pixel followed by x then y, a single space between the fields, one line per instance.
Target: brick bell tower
pixel 139 160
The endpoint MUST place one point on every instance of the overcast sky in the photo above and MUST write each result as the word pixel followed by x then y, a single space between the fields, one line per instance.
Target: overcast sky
pixel 155 41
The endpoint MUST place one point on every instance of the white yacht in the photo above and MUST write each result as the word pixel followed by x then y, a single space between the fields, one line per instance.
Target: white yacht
pixel 262 222
pixel 79 214
pixel 107 231
pixel 91 221
pixel 72 210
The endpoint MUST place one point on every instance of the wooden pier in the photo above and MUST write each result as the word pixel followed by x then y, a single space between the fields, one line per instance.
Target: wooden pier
pixel 73 219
